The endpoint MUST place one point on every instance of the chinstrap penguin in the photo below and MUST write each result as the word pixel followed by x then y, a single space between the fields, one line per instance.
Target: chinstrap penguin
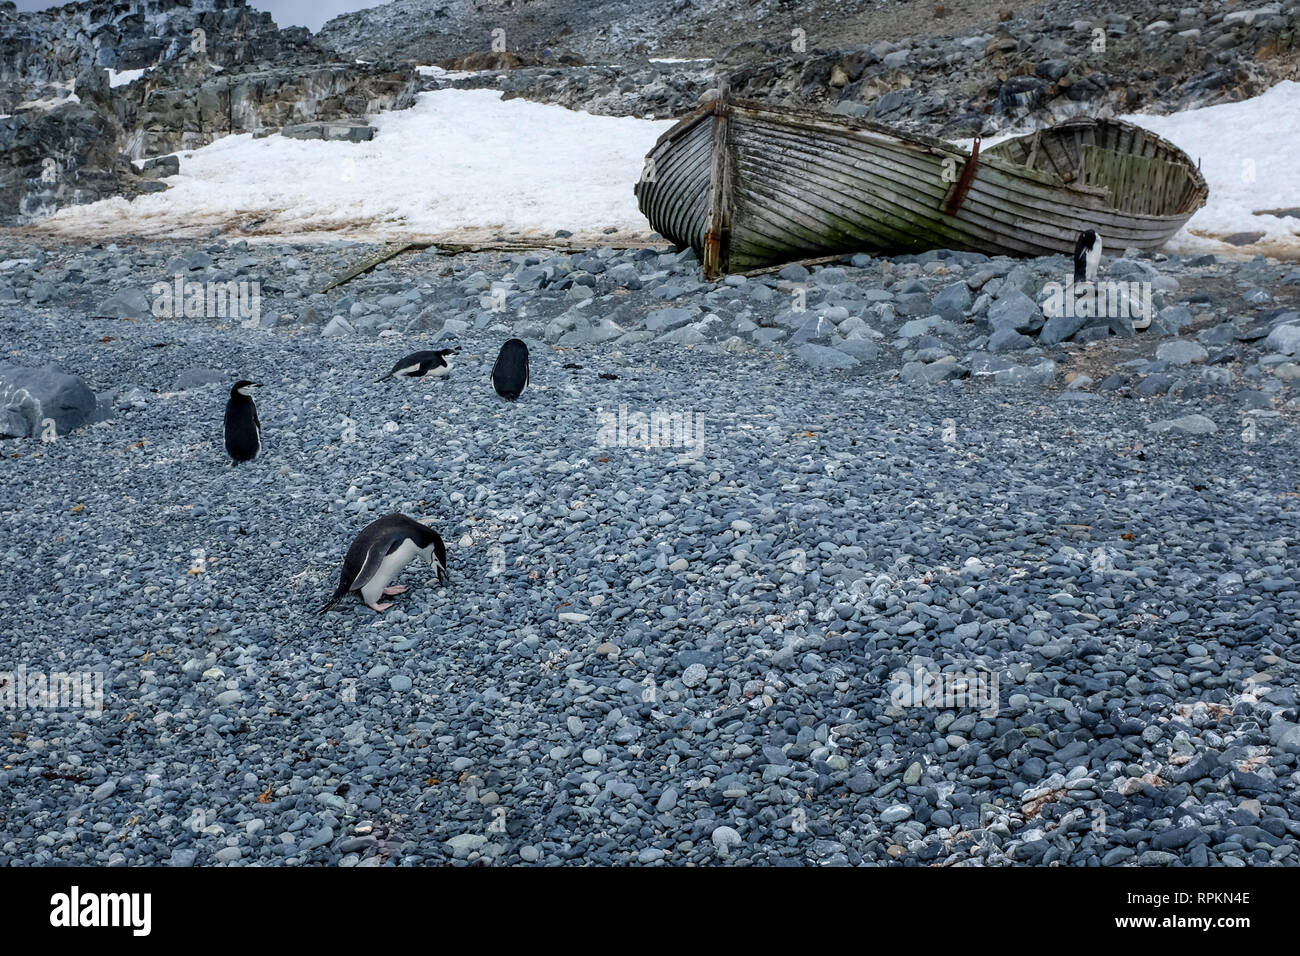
pixel 380 552
pixel 243 429
pixel 1087 256
pixel 510 372
pixel 421 364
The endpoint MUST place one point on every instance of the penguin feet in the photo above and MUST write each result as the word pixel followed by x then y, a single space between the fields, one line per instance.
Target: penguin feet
pixel 379 608
pixel 395 589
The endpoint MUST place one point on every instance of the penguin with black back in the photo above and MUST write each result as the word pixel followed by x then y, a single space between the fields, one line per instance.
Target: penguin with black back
pixel 243 429
pixel 510 372
pixel 380 552
pixel 432 364
pixel 1087 256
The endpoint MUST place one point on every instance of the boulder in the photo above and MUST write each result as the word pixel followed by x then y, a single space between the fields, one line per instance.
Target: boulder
pixel 160 167
pixel 1284 339
pixel 1187 425
pixel 1041 374
pixel 823 357
pixel 198 377
pixel 664 320
pixel 30 396
pixel 953 302
pixel 334 132
pixel 1007 339
pixel 1016 311
pixel 125 304
pixel 336 326
pixel 1058 328
pixel 1181 352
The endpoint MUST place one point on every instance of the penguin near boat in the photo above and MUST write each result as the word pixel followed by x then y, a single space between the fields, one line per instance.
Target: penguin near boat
pixel 380 552
pixel 243 429
pixel 1087 256
pixel 510 372
pixel 432 364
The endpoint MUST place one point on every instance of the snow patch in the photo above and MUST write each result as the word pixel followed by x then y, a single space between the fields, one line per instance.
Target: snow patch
pixel 123 77
pixel 1247 156
pixel 459 163
pixel 440 73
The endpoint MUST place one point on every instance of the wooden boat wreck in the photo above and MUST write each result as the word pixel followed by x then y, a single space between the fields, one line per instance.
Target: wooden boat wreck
pixel 749 186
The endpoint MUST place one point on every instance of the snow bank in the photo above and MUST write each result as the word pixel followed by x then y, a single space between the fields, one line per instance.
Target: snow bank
pixel 460 163
pixel 1247 156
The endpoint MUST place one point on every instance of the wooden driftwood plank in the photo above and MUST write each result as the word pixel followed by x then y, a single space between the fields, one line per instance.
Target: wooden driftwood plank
pixel 818 261
pixel 383 255
pixel 456 248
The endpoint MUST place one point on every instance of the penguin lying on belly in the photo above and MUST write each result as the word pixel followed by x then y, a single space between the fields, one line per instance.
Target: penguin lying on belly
pixel 422 365
pixel 380 552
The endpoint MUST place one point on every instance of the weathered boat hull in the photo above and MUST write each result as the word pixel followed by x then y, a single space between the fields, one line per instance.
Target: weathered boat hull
pixel 748 186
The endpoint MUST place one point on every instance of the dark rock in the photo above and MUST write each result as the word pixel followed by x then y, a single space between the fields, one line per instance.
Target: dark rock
pixel 1007 339
pixel 41 394
pixel 125 304
pixel 1058 328
pixel 1243 238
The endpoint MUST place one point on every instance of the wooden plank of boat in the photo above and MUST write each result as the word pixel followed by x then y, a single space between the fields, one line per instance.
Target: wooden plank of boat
pixel 675 198
pixel 831 174
pixel 686 196
pixel 905 210
pixel 840 174
pixel 1010 199
pixel 719 205
pixel 1033 152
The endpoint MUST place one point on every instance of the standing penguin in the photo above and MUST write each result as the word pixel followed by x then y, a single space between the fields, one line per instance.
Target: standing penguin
pixel 420 364
pixel 510 373
pixel 1087 256
pixel 380 552
pixel 243 430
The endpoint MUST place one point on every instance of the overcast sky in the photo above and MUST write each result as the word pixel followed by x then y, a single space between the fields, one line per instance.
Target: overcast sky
pixel 287 13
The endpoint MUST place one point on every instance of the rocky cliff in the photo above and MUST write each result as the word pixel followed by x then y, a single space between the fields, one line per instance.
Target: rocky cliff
pixel 93 85
pixel 936 72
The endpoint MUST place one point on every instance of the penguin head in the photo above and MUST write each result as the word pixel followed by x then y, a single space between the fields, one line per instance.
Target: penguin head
pixel 434 551
pixel 242 388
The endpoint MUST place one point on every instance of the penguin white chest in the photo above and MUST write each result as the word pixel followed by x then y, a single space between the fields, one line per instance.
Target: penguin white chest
pixel 1092 260
pixel 389 568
